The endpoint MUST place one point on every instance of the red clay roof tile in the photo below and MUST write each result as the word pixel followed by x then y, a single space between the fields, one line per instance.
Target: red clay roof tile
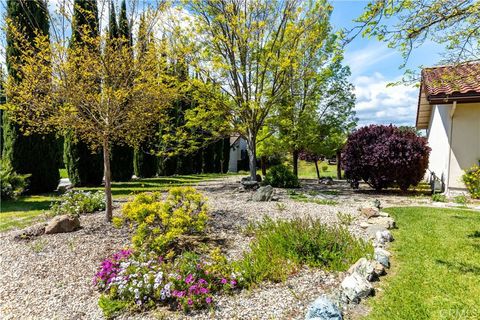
pixel 446 80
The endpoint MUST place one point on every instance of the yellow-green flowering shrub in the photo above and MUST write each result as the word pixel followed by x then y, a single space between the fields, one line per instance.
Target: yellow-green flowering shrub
pixel 471 178
pixel 158 223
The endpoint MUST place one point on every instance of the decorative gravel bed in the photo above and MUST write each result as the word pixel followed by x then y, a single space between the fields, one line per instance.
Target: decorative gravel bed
pixel 51 276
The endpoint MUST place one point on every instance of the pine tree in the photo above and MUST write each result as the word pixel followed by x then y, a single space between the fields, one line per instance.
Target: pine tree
pixel 85 167
pixel 33 154
pixel 122 155
pixel 144 160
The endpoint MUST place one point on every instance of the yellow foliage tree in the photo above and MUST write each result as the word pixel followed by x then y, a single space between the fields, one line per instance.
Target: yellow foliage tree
pixel 55 93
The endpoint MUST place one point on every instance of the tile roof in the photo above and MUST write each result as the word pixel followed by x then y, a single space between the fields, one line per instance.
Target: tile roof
pixel 445 80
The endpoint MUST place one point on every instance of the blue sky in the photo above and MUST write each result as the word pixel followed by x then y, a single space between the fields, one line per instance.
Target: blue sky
pixel 374 65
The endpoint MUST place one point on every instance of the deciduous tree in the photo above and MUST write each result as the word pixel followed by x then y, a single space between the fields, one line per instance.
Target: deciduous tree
pixel 133 97
pixel 34 154
pixel 248 49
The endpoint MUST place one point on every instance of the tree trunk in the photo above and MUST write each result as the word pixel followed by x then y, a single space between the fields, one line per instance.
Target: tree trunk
pixel 263 164
pixel 108 181
pixel 252 155
pixel 295 162
pixel 316 167
pixel 339 164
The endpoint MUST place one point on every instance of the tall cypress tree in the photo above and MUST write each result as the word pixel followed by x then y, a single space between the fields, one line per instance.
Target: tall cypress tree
pixel 144 161
pixel 35 154
pixel 85 168
pixel 122 155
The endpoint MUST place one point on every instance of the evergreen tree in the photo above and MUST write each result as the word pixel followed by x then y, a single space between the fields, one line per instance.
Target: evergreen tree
pixel 33 154
pixel 144 160
pixel 85 167
pixel 112 22
pixel 122 155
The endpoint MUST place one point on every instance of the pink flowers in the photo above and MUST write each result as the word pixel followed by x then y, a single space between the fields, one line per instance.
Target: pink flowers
pixel 223 281
pixel 189 279
pixel 109 268
pixel 208 300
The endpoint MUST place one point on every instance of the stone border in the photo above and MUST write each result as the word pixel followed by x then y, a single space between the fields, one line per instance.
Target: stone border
pixel 357 285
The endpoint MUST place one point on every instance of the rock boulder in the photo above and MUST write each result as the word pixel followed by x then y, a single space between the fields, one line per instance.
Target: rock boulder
pixel 263 194
pixel 61 224
pixel 355 287
pixel 323 309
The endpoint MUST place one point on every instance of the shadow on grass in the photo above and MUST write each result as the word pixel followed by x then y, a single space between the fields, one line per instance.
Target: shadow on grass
pixel 475 234
pixel 461 267
pixel 26 204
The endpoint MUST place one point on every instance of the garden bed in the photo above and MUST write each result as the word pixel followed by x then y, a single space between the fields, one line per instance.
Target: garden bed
pixel 51 277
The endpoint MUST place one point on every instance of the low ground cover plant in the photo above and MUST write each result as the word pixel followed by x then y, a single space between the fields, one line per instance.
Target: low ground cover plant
pixel 438 197
pixel 155 272
pixel 385 156
pixel 303 198
pixel 280 176
pixel 471 178
pixel 135 280
pixel 78 202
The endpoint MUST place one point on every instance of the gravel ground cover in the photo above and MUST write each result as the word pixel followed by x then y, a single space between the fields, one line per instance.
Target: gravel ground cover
pixel 51 276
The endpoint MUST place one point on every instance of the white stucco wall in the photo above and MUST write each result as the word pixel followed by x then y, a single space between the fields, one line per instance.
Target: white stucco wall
pixel 465 141
pixel 437 134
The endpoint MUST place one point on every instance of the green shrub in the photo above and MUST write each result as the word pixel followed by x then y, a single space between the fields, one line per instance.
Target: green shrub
pixel 281 247
pixel 325 168
pixel 438 197
pixel 471 178
pixel 12 184
pixel 112 307
pixel 461 199
pixel 281 176
pixel 78 202
pixel 159 224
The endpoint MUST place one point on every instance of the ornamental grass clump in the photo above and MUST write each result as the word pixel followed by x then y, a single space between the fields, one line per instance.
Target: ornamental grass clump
pixel 159 223
pixel 281 247
pixel 471 178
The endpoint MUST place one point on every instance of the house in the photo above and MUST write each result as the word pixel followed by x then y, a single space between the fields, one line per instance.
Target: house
pixel 238 154
pixel 449 109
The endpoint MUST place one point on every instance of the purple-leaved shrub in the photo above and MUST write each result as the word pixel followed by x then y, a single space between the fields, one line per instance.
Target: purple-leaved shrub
pixel 385 156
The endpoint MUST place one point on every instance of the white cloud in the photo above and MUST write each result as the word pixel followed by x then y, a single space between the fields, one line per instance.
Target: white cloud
pixel 380 104
pixel 362 59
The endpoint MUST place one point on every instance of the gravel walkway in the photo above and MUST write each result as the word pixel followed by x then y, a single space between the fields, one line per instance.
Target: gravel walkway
pixel 51 277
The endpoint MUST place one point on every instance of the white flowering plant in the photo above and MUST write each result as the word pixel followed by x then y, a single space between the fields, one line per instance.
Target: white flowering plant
pixel 78 202
pixel 145 280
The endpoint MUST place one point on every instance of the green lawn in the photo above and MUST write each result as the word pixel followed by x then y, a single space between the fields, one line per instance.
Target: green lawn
pixel 306 170
pixel 124 189
pixel 436 266
pixel 28 209
pixel 23 211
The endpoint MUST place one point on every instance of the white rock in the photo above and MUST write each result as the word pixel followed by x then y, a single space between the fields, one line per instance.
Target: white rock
pixel 365 268
pixel 383 237
pixel 355 287
pixel 382 256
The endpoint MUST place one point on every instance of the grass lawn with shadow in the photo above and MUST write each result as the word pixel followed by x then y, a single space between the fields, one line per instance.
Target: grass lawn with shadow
pixel 28 209
pixel 125 189
pixel 23 211
pixel 436 266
